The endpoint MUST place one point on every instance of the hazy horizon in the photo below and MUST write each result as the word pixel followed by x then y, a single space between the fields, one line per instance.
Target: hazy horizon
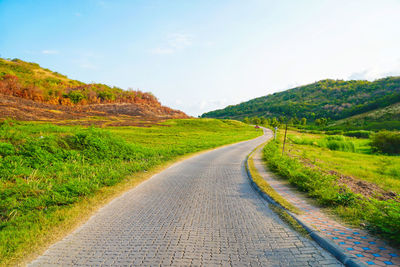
pixel 199 56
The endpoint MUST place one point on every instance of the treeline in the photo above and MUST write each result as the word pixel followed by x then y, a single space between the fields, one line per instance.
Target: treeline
pixel 276 122
pixel 29 81
pixel 330 99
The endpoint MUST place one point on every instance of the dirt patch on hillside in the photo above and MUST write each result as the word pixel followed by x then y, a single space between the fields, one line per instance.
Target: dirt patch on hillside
pixel 364 188
pixel 114 114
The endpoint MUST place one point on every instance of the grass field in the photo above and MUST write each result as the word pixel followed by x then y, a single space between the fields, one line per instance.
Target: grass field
pixel 345 178
pixel 357 161
pixel 52 175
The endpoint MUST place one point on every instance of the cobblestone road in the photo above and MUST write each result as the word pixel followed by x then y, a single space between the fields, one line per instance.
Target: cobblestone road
pixel 199 212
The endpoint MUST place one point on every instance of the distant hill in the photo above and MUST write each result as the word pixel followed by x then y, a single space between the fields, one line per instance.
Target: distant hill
pixel 332 99
pixel 30 92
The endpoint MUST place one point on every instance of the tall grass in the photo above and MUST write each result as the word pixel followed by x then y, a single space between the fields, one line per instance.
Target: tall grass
pixel 332 142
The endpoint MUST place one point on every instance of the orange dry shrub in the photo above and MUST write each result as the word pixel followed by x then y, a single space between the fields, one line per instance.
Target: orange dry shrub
pixel 56 93
pixel 65 102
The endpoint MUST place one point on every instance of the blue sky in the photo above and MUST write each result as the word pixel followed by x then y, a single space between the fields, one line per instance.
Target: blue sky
pixel 199 55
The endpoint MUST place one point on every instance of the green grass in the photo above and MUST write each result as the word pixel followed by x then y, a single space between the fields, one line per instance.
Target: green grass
pixel 381 217
pixel 50 175
pixel 382 170
pixel 333 142
pixel 267 189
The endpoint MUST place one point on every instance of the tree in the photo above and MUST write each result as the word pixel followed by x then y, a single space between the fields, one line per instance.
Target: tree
pixel 246 120
pixel 75 96
pixel 275 122
pixel 303 121
pixel 263 120
pixel 255 120
pixel 321 122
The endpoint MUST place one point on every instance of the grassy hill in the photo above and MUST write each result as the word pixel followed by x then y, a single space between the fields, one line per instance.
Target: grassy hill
pixel 30 92
pixel 332 99
pixel 382 118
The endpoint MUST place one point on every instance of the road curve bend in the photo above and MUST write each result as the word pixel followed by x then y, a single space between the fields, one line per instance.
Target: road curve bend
pixel 199 212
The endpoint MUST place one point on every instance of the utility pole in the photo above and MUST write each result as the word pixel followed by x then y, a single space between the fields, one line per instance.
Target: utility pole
pixel 284 139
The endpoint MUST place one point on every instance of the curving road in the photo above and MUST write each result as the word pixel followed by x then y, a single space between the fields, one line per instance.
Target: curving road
pixel 201 211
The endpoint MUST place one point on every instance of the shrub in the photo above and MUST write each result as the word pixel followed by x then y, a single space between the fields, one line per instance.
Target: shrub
pixel 358 134
pixel 75 96
pixel 385 218
pixel 334 132
pixel 386 142
pixel 338 145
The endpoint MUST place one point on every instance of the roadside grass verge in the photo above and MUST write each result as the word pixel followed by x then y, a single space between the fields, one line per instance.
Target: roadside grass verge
pixel 53 177
pixel 380 217
pixel 289 220
pixel 267 189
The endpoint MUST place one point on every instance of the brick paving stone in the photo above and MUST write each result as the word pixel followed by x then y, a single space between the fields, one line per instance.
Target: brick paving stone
pixel 200 212
pixel 368 249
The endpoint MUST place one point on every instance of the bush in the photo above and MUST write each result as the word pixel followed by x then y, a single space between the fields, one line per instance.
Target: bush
pixel 75 96
pixel 385 218
pixel 386 142
pixel 334 132
pixel 338 145
pixel 358 134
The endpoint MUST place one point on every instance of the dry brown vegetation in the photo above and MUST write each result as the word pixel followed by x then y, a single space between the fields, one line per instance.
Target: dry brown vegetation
pixel 29 92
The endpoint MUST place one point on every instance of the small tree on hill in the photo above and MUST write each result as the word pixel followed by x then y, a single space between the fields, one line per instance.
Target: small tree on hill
pixel 274 122
pixel 263 120
pixel 255 120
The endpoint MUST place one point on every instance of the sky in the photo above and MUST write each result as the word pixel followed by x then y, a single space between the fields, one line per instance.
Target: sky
pixel 201 55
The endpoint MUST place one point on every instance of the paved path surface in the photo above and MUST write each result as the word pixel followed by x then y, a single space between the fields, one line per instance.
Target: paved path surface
pixel 368 249
pixel 199 212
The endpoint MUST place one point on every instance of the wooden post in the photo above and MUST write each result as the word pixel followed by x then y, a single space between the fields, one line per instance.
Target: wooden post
pixel 284 140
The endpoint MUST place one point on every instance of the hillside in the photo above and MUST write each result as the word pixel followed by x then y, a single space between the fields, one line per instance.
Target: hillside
pixel 381 118
pixel 30 92
pixel 332 99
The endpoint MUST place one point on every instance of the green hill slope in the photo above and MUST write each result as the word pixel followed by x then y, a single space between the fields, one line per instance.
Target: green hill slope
pixel 382 118
pixel 333 99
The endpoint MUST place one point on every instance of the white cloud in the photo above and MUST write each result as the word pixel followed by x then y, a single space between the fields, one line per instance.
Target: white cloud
pixel 174 42
pixel 50 52
pixel 179 41
pixel 383 69
pixel 363 75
